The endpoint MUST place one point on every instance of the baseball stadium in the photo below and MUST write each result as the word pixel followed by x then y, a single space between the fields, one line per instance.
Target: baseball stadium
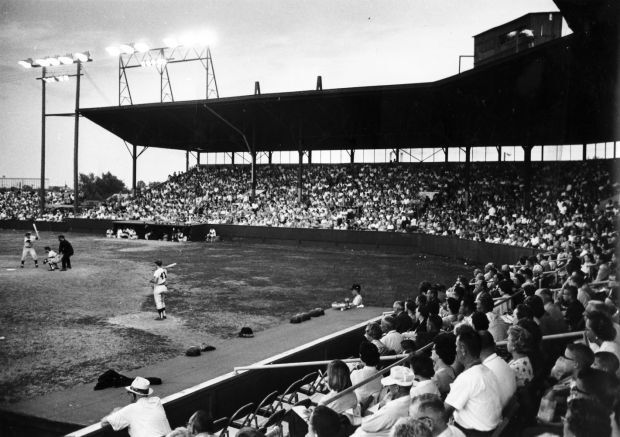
pixel 451 273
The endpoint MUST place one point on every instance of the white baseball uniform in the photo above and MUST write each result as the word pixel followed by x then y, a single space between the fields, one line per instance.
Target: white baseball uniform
pixel 160 275
pixel 29 247
pixel 53 259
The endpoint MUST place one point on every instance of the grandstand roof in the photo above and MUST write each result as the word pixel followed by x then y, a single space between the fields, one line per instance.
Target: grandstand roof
pixel 561 92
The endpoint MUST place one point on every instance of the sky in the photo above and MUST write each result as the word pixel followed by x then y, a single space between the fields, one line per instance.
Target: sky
pixel 284 44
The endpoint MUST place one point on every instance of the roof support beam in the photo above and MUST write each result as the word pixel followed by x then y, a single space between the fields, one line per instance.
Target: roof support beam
pixel 300 152
pixel 233 127
pixel 584 152
pixel 396 152
pixel 134 168
pixel 253 152
pixel 253 175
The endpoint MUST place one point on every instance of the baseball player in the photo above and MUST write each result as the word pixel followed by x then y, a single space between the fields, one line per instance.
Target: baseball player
pixel 52 259
pixel 160 277
pixel 29 248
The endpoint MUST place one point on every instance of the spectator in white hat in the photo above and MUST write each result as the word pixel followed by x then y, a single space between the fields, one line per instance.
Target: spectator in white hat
pixel 144 417
pixel 380 423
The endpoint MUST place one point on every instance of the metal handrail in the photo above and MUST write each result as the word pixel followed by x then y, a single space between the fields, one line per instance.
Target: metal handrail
pixel 550 337
pixel 380 373
pixel 310 363
pixel 338 395
pixel 507 298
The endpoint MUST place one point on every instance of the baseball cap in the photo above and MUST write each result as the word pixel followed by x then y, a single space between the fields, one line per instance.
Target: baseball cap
pixel 356 287
pixel 158 262
pixel 399 375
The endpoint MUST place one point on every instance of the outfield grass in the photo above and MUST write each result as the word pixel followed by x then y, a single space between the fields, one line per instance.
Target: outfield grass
pixel 65 328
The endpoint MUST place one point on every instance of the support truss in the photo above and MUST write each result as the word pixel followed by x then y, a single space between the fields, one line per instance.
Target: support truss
pixel 160 58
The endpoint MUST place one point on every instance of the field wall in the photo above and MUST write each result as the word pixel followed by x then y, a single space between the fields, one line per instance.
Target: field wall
pixel 471 251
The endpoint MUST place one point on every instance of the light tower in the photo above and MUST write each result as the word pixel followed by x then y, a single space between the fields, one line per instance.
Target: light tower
pixel 54 69
pixel 140 55
pixel 188 48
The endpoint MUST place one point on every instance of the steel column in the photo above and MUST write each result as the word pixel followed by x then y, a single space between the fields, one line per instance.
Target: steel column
pixel 134 158
pixel 584 153
pixel 253 169
pixel 299 173
pixel 42 187
pixel 76 136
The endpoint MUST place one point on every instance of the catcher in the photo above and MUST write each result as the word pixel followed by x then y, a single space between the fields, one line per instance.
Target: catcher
pixel 52 259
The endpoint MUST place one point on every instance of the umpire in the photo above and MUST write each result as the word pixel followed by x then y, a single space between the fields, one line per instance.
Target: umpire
pixel 65 250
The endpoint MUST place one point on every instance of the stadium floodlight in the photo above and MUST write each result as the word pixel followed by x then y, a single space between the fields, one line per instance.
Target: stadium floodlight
pixel 82 57
pixel 205 38
pixel 53 61
pixel 113 50
pixel 126 49
pixel 66 59
pixel 141 47
pixel 171 42
pixel 48 65
pixel 26 63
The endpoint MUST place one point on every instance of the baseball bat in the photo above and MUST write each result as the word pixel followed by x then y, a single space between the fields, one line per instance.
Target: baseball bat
pixel 170 265
pixel 34 225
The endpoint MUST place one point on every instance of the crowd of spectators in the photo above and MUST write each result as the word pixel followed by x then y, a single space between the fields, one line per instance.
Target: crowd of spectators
pixel 558 388
pixel 543 206
pixel 17 204
pixel 476 357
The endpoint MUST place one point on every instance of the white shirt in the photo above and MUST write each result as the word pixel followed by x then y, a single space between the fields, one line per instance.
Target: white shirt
pixel 144 418
pixel 504 374
pixel 380 423
pixel 357 300
pixel 420 387
pixel 610 346
pixel 28 241
pixel 160 276
pixel 342 404
pixel 392 341
pixel 367 389
pixel 475 396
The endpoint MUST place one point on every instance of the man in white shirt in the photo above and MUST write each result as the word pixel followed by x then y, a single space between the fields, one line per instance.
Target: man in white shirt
pixel 380 423
pixel 357 301
pixel 474 396
pixel 392 338
pixel 499 367
pixel 144 417
pixel 429 409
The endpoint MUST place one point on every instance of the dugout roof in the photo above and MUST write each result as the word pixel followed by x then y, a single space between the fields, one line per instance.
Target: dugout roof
pixel 561 92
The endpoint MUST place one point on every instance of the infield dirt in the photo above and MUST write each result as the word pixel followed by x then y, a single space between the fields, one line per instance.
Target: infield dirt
pixel 58 329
